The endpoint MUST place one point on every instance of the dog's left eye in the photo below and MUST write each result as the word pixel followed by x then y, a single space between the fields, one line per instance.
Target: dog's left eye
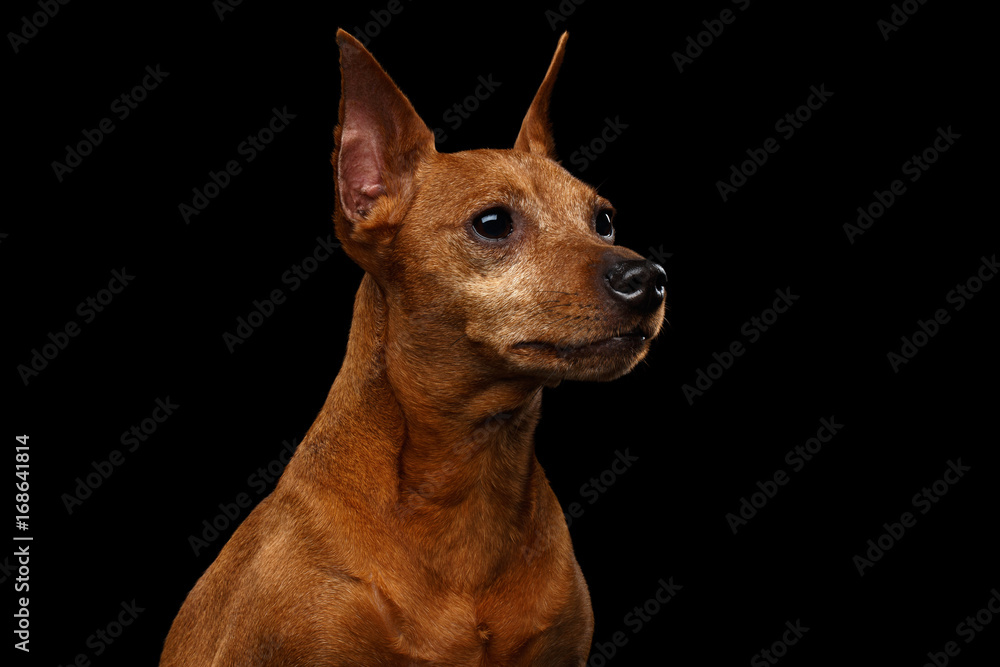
pixel 493 224
pixel 603 224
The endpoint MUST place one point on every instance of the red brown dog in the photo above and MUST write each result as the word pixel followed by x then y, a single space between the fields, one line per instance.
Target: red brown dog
pixel 414 525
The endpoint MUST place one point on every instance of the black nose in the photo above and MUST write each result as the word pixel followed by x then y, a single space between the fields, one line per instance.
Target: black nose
pixel 637 283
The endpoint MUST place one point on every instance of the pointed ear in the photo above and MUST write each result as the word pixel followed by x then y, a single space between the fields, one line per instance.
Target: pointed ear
pixel 536 130
pixel 378 143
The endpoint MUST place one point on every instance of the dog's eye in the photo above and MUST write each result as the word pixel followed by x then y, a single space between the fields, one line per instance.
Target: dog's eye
pixel 493 224
pixel 603 224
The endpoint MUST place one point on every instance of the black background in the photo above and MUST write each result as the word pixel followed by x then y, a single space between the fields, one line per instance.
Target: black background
pixel 826 357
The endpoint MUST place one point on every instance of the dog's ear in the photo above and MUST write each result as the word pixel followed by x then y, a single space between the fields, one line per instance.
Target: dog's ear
pixel 536 129
pixel 378 144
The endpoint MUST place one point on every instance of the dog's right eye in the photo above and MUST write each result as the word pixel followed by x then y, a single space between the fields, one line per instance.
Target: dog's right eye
pixel 493 224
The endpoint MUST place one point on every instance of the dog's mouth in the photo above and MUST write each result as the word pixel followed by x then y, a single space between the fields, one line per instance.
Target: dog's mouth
pixel 630 341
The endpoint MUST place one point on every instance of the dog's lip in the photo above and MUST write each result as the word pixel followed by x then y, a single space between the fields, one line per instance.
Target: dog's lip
pixel 629 339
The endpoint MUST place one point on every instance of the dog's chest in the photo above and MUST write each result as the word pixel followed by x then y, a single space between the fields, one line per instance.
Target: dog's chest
pixel 459 628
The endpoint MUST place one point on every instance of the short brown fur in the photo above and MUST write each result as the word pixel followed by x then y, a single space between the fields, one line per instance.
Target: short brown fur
pixel 414 525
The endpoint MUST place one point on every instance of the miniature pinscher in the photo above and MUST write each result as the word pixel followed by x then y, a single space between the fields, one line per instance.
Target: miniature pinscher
pixel 414 524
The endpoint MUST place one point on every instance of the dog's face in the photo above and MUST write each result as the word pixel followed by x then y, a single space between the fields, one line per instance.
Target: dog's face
pixel 509 251
pixel 499 251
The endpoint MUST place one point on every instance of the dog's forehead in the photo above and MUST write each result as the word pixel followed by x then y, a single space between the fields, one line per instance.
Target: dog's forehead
pixel 470 181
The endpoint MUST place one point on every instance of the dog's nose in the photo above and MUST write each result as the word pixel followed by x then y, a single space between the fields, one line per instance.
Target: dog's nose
pixel 637 283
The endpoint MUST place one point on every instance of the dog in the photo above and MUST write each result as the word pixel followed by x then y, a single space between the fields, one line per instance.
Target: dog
pixel 414 524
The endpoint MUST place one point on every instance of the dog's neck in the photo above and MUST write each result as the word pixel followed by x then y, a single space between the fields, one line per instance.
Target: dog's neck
pixel 445 448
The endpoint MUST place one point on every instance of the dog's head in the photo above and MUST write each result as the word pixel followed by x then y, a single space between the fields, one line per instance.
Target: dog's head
pixel 499 251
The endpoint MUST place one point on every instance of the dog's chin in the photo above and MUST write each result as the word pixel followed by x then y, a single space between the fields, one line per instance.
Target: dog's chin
pixel 599 360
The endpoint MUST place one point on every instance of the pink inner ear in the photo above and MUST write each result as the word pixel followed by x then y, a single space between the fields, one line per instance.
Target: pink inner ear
pixel 379 130
pixel 360 166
